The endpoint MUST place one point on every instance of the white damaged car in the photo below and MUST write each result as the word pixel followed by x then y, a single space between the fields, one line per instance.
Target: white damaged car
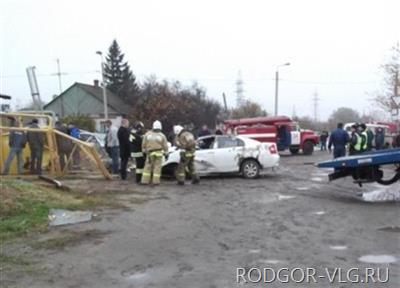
pixel 217 154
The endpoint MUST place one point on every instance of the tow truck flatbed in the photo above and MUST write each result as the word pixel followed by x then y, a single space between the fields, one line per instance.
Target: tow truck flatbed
pixel 365 167
pixel 380 157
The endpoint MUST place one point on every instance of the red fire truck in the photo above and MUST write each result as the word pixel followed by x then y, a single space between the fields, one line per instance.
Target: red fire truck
pixel 280 129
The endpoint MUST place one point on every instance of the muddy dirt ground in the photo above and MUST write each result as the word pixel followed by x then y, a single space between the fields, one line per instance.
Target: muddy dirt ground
pixel 197 236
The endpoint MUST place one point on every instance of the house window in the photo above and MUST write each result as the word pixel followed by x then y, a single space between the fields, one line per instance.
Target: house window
pixel 103 127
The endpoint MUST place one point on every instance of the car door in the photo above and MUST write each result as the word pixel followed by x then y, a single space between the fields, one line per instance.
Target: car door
pixel 226 157
pixel 204 159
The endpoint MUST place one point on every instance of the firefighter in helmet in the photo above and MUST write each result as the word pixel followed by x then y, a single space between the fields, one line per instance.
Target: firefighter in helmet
pixel 186 142
pixel 155 146
pixel 136 138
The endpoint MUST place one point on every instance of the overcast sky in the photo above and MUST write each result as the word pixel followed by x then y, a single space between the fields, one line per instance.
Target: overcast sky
pixel 335 47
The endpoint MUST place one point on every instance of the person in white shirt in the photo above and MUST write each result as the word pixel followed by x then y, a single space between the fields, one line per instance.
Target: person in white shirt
pixel 112 145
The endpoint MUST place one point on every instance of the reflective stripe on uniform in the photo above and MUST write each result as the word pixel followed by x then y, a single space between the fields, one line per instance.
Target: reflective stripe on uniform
pixel 156 175
pixel 157 153
pixel 189 154
pixel 365 134
pixel 136 154
pixel 358 144
pixel 146 174
pixel 139 171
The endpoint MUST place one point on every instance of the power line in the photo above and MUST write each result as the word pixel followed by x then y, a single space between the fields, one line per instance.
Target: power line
pixel 309 82
pixel 330 82
pixel 49 75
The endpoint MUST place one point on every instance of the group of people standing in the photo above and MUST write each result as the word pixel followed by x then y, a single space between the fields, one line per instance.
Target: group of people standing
pixel 148 148
pixel 17 141
pixel 36 141
pixel 361 139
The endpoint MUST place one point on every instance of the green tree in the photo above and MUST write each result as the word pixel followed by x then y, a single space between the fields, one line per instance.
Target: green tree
pixel 118 75
pixel 391 81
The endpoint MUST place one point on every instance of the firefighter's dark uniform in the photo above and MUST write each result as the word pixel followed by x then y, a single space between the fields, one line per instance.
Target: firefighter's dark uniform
pixel 186 142
pixel 124 150
pixel 136 138
pixel 36 142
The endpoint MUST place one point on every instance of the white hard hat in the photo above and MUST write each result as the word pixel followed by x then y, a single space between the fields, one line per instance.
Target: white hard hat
pixel 157 125
pixel 177 129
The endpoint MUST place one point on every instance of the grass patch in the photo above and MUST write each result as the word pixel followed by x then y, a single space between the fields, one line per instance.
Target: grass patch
pixel 12 260
pixel 71 238
pixel 24 205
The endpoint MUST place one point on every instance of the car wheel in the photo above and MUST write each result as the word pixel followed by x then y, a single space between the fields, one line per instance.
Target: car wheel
pixel 294 151
pixel 308 148
pixel 250 169
pixel 170 171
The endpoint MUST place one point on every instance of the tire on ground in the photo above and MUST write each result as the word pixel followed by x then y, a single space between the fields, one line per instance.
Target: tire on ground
pixel 308 148
pixel 250 169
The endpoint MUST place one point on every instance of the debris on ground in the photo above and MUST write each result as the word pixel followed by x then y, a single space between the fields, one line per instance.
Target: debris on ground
pixel 383 194
pixel 58 184
pixel 60 217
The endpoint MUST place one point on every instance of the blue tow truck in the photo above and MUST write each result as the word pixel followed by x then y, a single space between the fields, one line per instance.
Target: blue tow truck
pixel 365 167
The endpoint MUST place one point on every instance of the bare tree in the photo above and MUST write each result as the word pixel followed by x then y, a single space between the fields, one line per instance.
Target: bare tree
pixel 343 115
pixel 391 81
pixel 248 109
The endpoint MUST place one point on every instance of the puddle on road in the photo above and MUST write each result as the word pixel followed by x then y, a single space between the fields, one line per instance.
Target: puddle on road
pixel 320 174
pixel 338 247
pixel 319 213
pixel 270 261
pixel 285 197
pixel 274 197
pixel 378 259
pixel 138 277
pixel 303 188
pixel 395 229
pixel 384 194
pixel 317 179
pixel 254 251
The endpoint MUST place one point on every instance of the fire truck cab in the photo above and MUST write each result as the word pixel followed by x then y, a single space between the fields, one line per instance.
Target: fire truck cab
pixel 280 130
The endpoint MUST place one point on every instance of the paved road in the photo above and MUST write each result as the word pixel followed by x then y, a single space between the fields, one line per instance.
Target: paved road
pixel 197 236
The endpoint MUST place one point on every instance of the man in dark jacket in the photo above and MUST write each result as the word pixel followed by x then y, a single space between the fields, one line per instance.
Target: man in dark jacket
pixel 204 131
pixel 74 131
pixel 64 145
pixel 323 139
pixel 16 142
pixel 379 138
pixel 124 146
pixel 339 138
pixel 135 138
pixel 36 144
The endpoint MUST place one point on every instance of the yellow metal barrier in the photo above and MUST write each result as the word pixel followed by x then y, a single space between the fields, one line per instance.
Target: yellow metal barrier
pixel 50 155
